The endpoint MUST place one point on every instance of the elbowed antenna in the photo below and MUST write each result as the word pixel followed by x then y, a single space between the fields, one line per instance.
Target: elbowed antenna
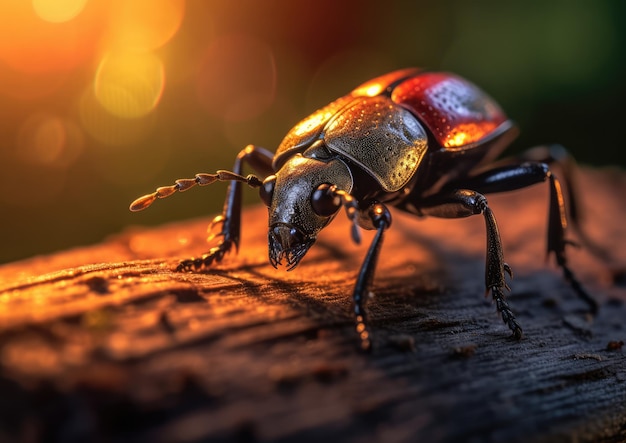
pixel 183 184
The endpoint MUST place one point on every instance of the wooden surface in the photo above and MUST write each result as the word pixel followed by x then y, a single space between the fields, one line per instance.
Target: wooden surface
pixel 106 343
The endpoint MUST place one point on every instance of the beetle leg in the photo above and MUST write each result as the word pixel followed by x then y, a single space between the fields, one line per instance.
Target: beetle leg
pixel 508 178
pixel 557 154
pixel 381 220
pixel 351 206
pixel 566 164
pixel 230 220
pixel 463 203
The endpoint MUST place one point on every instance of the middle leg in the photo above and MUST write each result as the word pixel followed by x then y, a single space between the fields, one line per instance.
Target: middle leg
pixel 464 203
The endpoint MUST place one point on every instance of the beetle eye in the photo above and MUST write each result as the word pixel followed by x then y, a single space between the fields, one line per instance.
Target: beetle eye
pixel 324 201
pixel 267 190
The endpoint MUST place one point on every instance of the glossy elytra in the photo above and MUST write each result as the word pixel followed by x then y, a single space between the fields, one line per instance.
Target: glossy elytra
pixel 419 141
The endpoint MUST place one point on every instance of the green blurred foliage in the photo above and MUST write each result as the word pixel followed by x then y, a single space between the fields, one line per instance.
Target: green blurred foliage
pixel 556 67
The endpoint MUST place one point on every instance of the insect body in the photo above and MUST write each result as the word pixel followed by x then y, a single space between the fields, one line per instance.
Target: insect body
pixel 415 140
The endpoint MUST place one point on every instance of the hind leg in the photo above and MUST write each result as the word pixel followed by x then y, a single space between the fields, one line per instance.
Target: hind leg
pixel 517 176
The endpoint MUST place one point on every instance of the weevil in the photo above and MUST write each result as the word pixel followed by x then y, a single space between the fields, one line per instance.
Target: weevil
pixel 420 141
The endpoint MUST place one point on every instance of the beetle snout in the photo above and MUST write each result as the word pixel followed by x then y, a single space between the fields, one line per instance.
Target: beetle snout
pixel 288 236
pixel 289 243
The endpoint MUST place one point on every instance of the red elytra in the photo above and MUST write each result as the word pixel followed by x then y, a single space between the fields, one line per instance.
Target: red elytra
pixel 456 112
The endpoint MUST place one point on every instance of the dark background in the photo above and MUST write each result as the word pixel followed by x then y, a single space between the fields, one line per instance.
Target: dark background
pixel 233 73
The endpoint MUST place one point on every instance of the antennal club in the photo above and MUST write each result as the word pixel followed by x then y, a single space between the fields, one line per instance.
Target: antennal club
pixel 184 184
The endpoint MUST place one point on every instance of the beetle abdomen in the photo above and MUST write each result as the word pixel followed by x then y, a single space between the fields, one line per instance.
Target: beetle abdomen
pixel 456 112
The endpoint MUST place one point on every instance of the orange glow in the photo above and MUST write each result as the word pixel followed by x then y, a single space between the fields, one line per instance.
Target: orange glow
pixel 319 118
pixel 315 121
pixel 43 41
pixel 78 75
pixel 377 85
pixel 143 24
pixel 129 85
pixel 369 89
pixel 58 11
pixel 466 133
pixel 28 86
pixel 30 42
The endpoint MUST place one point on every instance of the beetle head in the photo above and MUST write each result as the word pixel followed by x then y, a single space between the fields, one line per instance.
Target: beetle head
pixel 301 204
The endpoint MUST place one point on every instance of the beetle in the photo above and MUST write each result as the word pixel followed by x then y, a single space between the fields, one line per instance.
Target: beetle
pixel 420 141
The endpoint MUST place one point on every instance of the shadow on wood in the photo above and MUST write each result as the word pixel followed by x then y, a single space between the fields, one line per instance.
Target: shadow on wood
pixel 108 343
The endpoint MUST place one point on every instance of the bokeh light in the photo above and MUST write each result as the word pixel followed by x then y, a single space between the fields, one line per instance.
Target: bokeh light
pixel 32 43
pixel 58 11
pixel 143 24
pixel 129 84
pixel 50 140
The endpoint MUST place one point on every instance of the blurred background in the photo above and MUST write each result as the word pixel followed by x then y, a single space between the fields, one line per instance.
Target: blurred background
pixel 101 101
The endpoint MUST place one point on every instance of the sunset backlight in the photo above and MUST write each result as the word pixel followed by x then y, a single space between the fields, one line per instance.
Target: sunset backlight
pixel 100 99
pixel 57 11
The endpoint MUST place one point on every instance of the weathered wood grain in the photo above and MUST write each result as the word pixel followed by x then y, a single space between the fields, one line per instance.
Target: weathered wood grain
pixel 106 343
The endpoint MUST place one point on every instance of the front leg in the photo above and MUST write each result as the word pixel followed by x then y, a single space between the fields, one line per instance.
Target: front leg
pixel 260 160
pixel 378 215
pixel 463 203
